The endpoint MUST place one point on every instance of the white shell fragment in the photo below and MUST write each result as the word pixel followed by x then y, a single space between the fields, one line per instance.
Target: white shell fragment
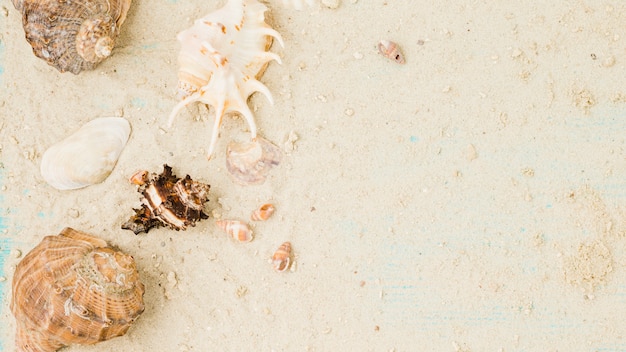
pixel 86 157
pixel 221 59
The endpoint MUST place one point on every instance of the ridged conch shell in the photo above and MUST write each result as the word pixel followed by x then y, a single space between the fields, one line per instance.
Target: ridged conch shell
pixel 167 200
pixel 221 59
pixel 72 35
pixel 74 289
pixel 238 230
pixel 87 156
pixel 263 212
pixel 249 163
pixel 281 260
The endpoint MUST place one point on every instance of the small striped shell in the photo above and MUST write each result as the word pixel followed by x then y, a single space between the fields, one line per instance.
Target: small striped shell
pixel 139 178
pixel 263 212
pixel 281 260
pixel 238 230
pixel 74 289
pixel 221 59
pixel 72 35
pixel 391 51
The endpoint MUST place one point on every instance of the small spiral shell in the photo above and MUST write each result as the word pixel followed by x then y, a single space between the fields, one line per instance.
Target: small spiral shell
pixel 236 229
pixel 391 51
pixel 139 178
pixel 281 260
pixel 263 212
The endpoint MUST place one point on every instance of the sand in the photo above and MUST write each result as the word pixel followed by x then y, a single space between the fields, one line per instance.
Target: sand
pixel 472 199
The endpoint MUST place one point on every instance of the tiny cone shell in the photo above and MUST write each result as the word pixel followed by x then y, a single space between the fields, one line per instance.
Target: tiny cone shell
pixel 263 212
pixel 391 51
pixel 282 257
pixel 238 230
pixel 139 178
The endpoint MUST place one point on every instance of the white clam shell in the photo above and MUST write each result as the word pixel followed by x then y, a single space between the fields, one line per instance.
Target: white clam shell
pixel 87 156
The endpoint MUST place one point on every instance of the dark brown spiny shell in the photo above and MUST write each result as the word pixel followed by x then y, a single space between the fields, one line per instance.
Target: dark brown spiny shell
pixel 74 289
pixel 169 201
pixel 72 35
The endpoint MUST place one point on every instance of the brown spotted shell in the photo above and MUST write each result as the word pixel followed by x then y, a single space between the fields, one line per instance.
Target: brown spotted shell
pixel 167 201
pixel 74 289
pixel 72 35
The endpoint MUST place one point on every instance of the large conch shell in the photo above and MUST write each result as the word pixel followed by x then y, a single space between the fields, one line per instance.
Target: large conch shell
pixel 86 157
pixel 74 289
pixel 221 59
pixel 72 35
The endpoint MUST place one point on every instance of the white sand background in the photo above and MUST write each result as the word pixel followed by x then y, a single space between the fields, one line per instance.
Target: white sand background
pixel 470 200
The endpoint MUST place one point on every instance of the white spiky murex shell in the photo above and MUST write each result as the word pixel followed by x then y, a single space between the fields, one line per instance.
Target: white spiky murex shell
pixel 87 156
pixel 222 56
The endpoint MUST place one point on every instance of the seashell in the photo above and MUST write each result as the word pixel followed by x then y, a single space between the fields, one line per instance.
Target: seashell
pixel 391 51
pixel 249 163
pixel 74 289
pixel 222 57
pixel 281 260
pixel 238 230
pixel 72 35
pixel 263 212
pixel 139 178
pixel 87 156
pixel 169 201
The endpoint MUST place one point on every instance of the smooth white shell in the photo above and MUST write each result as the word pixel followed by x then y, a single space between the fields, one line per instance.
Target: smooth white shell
pixel 87 156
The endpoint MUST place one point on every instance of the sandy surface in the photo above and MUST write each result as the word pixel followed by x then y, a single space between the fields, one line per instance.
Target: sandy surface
pixel 472 199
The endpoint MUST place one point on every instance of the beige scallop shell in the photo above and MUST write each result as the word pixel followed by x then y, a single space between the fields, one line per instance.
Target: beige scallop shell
pixel 87 156
pixel 74 289
pixel 72 35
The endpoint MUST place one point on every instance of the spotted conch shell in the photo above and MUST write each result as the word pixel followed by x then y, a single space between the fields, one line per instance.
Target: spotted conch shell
pixel 87 156
pixel 72 35
pixel 221 59
pixel 167 200
pixel 74 289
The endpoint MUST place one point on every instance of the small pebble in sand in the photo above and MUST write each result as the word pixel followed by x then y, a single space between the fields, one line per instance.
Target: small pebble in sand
pixel 171 279
pixel 471 153
pixel 16 253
